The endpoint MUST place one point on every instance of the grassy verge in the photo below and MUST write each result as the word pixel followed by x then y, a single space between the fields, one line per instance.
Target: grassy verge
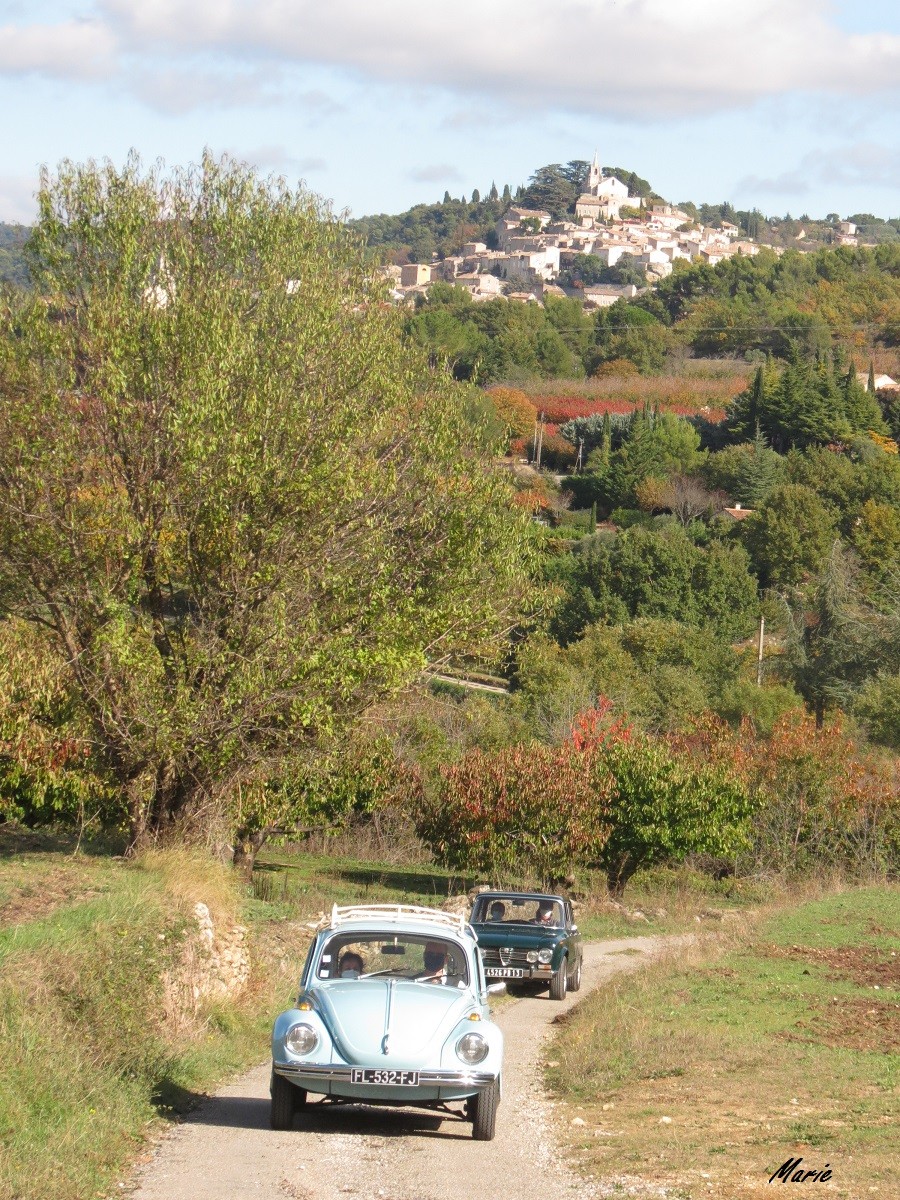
pixel 93 1053
pixel 707 1072
pixel 294 883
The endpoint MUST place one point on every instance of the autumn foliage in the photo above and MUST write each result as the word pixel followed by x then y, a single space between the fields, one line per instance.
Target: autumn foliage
pixel 820 798
pixel 607 797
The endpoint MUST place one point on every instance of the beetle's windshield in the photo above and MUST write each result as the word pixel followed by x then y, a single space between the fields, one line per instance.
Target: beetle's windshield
pixel 393 954
pixel 491 909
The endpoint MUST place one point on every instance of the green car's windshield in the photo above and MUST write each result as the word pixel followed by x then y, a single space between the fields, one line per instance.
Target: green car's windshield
pixel 394 955
pixel 491 909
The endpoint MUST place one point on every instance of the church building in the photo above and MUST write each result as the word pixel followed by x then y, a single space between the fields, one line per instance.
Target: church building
pixel 603 197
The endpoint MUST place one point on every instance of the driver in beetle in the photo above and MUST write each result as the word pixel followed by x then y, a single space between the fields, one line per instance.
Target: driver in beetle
pixel 434 960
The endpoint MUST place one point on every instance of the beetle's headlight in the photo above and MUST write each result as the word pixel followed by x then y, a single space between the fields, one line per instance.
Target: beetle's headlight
pixel 472 1048
pixel 545 955
pixel 531 956
pixel 301 1039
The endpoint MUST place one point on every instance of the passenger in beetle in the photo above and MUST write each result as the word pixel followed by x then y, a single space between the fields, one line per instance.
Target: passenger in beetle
pixel 351 965
pixel 434 960
pixel 497 911
pixel 545 914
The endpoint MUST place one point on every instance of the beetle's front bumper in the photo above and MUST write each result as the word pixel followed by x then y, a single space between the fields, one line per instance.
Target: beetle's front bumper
pixel 432 1085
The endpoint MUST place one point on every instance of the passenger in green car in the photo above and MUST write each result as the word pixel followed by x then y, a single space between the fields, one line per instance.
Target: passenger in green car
pixel 545 913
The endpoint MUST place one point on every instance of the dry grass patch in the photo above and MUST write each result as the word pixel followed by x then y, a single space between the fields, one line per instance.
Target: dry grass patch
pixel 709 1070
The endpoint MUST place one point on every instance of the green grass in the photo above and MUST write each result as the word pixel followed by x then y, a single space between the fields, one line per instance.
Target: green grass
pixel 784 1042
pixel 92 1052
pixel 298 884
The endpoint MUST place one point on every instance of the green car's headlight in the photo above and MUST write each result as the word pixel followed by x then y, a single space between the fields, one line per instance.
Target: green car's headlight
pixel 545 955
pixel 301 1039
pixel 531 956
pixel 472 1048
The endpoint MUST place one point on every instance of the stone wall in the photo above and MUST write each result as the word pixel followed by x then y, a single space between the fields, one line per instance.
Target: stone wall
pixel 213 964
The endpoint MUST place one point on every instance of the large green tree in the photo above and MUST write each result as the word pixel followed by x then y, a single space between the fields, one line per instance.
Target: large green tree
pixel 238 503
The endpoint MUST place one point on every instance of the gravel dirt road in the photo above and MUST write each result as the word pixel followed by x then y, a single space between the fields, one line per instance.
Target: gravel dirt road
pixel 226 1150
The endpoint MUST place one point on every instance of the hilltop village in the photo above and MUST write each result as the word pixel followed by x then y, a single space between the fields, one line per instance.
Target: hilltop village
pixel 535 255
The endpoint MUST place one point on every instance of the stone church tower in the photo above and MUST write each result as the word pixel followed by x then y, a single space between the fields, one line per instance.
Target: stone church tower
pixel 594 176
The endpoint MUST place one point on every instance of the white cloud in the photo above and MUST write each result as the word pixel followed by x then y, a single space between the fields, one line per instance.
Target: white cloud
pixel 175 90
pixel 858 164
pixel 436 173
pixel 17 202
pixel 626 58
pixel 310 164
pixel 645 58
pixel 70 50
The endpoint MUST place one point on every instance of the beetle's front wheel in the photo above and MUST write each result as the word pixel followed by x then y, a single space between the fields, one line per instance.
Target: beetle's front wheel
pixel 286 1099
pixel 483 1111
pixel 559 982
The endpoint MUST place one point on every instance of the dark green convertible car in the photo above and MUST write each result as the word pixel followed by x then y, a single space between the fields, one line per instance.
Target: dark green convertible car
pixel 529 937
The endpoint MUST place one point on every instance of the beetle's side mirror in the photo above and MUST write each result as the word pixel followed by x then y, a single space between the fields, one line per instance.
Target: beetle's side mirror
pixel 574 928
pixel 496 989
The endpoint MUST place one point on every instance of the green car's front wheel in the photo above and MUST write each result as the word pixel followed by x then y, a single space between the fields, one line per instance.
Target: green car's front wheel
pixel 286 1099
pixel 482 1110
pixel 559 984
pixel 574 981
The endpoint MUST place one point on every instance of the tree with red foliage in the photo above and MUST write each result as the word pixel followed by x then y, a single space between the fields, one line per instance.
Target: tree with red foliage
pixel 818 799
pixel 606 797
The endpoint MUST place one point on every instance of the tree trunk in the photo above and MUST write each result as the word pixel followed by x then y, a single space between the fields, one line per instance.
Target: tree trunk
pixel 247 845
pixel 619 872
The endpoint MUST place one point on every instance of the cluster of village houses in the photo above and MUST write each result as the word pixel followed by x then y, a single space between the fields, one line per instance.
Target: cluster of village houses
pixel 533 248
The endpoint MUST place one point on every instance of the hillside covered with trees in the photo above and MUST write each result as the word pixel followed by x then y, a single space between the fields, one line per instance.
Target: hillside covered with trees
pixel 239 520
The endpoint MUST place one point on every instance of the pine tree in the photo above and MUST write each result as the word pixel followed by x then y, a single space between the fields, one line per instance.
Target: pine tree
pixel 759 473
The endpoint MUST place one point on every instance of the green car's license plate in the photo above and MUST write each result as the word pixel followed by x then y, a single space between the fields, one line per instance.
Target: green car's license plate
pixel 375 1075
pixel 504 972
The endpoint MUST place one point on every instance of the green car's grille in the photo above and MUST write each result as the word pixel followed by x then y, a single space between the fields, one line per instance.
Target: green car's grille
pixel 514 957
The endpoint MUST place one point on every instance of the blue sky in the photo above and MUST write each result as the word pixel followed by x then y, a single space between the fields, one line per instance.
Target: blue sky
pixel 786 105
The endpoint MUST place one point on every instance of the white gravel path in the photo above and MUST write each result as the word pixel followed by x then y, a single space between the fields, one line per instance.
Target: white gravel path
pixel 226 1151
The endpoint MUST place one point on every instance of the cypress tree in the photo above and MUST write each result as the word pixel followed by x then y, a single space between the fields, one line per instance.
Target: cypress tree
pixel 870 382
pixel 861 407
pixel 493 194
pixel 507 194
pixel 606 437
pixel 476 196
pixel 447 198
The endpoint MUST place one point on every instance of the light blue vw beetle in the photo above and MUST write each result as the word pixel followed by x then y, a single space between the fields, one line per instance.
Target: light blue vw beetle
pixel 393 1009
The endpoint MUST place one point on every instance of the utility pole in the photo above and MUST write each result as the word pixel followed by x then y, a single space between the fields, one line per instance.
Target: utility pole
pixel 759 652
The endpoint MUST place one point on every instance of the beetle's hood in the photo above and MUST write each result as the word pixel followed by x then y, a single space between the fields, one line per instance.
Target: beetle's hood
pixel 416 1017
